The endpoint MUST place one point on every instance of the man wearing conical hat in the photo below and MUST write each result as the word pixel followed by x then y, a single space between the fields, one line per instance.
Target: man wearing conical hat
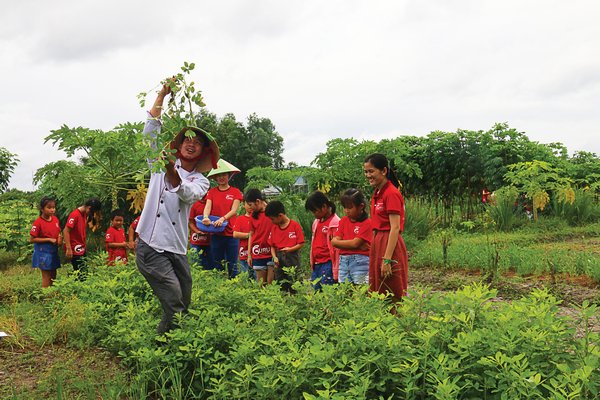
pixel 163 226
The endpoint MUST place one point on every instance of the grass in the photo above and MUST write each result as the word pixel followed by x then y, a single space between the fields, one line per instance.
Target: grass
pixel 42 359
pixel 532 250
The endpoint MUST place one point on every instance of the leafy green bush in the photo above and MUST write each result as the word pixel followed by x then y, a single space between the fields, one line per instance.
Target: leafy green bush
pixel 581 211
pixel 16 218
pixel 502 210
pixel 418 220
pixel 243 341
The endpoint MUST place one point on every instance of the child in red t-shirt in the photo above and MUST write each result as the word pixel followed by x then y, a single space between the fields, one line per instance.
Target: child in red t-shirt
pixel 116 244
pixel 46 237
pixel 241 231
pixel 223 201
pixel 286 240
pixel 353 238
pixel 324 258
pixel 200 241
pixel 132 236
pixel 74 233
pixel 259 249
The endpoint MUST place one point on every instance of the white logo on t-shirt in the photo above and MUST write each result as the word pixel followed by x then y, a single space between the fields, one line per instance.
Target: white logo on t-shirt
pixel 356 229
pixel 229 197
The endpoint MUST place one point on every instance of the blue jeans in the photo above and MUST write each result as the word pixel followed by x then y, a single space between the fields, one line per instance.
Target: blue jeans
pixel 325 272
pixel 225 253
pixel 354 268
pixel 244 267
pixel 202 255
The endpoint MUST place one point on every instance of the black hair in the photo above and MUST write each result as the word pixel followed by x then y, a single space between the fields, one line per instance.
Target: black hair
pixel 274 208
pixel 252 196
pixel 380 162
pixel 45 200
pixel 356 198
pixel 95 206
pixel 317 200
pixel 116 213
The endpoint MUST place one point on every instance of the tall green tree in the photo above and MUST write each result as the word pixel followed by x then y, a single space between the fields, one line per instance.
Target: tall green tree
pixel 254 144
pixel 8 162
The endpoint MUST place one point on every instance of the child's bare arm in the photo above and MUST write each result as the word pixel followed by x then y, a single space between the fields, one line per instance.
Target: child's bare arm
pixel 350 244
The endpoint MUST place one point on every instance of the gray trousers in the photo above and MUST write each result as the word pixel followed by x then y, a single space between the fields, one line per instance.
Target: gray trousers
pixel 170 279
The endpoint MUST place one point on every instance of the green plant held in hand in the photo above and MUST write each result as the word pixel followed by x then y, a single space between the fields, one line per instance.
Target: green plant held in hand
pixel 181 111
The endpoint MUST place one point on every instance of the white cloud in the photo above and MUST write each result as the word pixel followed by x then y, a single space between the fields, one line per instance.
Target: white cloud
pixel 318 70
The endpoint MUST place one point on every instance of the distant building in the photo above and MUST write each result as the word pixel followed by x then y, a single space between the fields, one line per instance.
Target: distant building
pixel 300 185
pixel 271 191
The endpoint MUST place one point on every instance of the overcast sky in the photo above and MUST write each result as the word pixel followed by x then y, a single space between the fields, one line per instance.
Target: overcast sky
pixel 317 69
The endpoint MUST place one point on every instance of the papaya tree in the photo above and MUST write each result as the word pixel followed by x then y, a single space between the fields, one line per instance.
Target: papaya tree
pixel 536 179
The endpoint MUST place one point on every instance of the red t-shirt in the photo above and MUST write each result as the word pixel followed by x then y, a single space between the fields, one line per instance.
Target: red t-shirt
pixel 386 201
pixel 261 229
pixel 115 253
pixel 135 222
pixel 288 237
pixel 348 230
pixel 202 238
pixel 242 224
pixel 222 200
pixel 320 249
pixel 45 229
pixel 77 221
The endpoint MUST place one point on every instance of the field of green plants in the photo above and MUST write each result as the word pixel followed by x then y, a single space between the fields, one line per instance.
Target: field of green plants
pixel 241 341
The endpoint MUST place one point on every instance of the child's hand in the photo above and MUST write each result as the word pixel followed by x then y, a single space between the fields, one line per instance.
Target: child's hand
pixel 219 222
pixel 130 245
pixel 286 249
pixel 52 240
pixel 276 261
pixel 206 221
pixel 69 253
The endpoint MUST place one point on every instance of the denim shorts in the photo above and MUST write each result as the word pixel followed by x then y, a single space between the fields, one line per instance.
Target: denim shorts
pixel 261 264
pixel 354 268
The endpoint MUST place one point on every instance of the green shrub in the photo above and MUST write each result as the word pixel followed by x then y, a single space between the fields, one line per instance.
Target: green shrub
pixel 502 211
pixel 418 220
pixel 581 211
pixel 243 341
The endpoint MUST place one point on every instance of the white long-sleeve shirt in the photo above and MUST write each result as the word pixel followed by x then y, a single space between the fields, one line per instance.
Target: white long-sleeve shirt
pixel 164 221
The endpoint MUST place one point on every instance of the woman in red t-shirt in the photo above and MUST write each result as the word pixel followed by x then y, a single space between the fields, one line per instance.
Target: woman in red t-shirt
pixel 46 237
pixel 223 201
pixel 388 264
pixel 353 238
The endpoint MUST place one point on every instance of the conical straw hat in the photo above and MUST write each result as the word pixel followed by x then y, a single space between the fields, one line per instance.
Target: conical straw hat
pixel 222 167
